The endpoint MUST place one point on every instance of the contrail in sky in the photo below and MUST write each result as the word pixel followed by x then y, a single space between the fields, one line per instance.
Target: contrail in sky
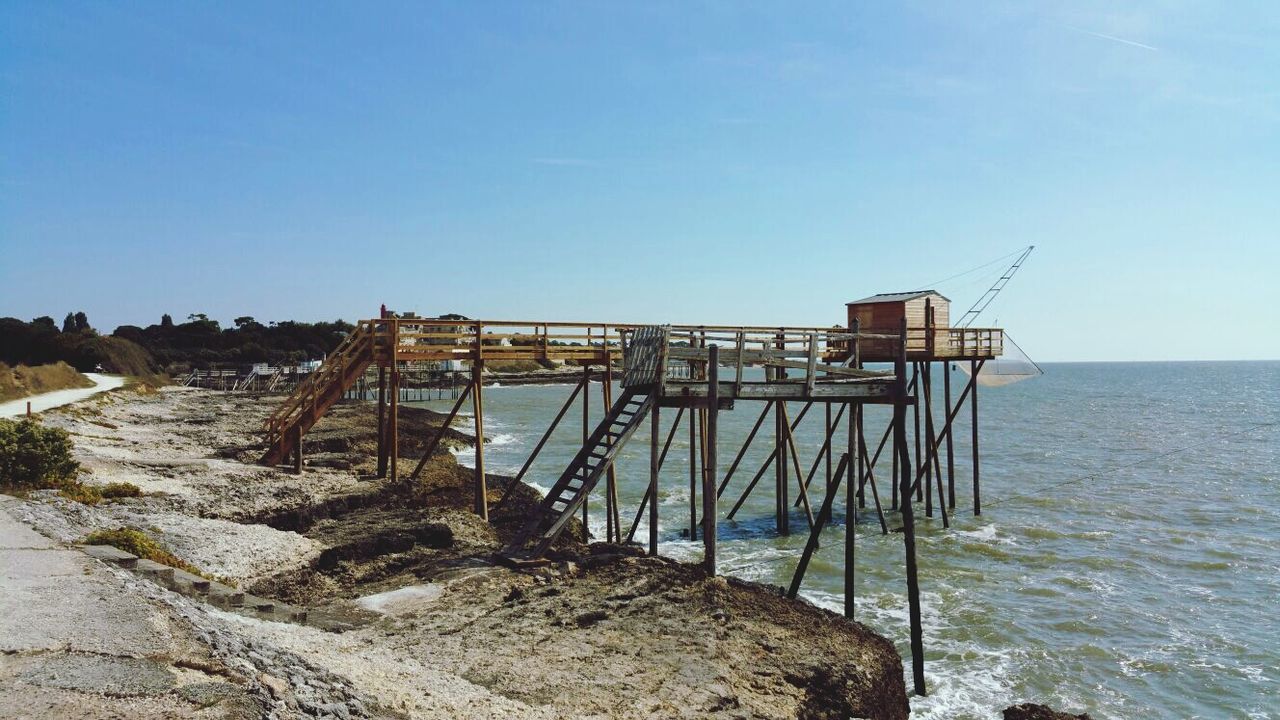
pixel 1111 37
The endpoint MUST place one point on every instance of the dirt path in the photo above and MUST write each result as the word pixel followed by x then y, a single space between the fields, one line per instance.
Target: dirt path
pixel 58 398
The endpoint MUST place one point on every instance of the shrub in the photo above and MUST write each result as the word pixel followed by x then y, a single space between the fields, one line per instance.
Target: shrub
pixel 120 490
pixel 81 493
pixel 133 540
pixel 33 456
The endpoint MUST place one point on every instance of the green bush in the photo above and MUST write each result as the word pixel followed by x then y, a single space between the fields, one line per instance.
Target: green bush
pixel 133 540
pixel 33 456
pixel 120 490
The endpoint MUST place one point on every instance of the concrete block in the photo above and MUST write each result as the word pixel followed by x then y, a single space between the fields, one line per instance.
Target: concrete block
pixel 162 574
pixel 224 596
pixel 262 605
pixel 111 554
pixel 189 582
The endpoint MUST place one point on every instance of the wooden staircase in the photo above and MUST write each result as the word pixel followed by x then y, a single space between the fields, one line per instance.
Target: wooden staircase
pixel 314 396
pixel 588 466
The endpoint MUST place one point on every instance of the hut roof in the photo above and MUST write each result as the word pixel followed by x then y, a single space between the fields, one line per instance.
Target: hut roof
pixel 897 297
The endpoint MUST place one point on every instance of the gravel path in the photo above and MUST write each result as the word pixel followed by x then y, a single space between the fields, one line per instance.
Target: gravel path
pixel 58 398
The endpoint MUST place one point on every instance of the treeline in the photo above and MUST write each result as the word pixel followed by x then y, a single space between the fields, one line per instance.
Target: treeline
pixel 201 342
pixel 41 342
pixel 166 346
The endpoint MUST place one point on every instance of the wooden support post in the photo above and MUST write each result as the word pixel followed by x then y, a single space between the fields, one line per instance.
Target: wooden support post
pixel 654 469
pixel 693 471
pixel 908 518
pixel 915 414
pixel 947 427
pixel 709 495
pixel 780 468
pixel 922 406
pixel 794 454
pixel 382 421
pixel 613 529
pixel 973 408
pixel 586 433
pixel 851 494
pixel 951 456
pixel 861 444
pixel 783 520
pixel 393 428
pixel 477 404
pixel 893 503
pixel 297 457
pixel 827 453
pixel 932 467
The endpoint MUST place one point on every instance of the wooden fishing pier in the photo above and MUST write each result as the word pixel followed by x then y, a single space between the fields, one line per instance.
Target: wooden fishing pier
pixel 700 371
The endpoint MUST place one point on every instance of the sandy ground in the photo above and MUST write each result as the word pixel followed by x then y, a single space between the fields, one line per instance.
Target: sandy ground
pixel 58 398
pixel 442 631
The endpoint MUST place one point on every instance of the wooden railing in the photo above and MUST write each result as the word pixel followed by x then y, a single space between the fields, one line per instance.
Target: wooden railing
pixel 428 339
pixel 681 353
pixel 307 393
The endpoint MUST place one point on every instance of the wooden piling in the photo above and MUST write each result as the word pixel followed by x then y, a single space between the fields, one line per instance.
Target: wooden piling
pixel 951 456
pixel 693 471
pixel 709 494
pixel 393 427
pixel 586 433
pixel 477 404
pixel 973 407
pixel 613 529
pixel 908 518
pixel 382 421
pixel 654 469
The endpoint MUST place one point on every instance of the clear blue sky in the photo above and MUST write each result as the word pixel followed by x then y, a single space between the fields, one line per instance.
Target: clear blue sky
pixel 680 162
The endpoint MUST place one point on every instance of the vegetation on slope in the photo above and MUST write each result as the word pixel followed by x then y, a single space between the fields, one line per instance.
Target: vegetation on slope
pixel 40 342
pixel 137 542
pixel 23 381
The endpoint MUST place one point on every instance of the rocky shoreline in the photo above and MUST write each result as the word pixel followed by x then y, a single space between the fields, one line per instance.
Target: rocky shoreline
pixel 435 627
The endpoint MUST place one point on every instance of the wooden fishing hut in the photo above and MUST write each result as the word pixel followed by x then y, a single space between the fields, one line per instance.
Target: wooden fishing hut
pixel 698 371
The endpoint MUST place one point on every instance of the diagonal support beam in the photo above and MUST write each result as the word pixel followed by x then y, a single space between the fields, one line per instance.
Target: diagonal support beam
pixel 435 441
pixel 538 448
pixel 824 516
pixel 648 493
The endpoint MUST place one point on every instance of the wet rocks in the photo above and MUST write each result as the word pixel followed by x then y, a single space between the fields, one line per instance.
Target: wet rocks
pixel 1032 711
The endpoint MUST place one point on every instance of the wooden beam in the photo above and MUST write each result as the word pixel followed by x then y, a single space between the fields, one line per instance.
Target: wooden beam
pixel 709 494
pixel 743 451
pixel 537 448
pixel 477 402
pixel 908 524
pixel 824 516
pixel 435 441
pixel 651 496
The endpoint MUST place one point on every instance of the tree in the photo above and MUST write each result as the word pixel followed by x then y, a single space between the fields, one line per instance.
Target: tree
pixel 166 320
pixel 246 321
pixel 69 323
pixel 82 322
pixel 198 317
pixel 45 322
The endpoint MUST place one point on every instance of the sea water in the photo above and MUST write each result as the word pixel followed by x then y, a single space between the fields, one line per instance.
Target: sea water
pixel 1125 563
